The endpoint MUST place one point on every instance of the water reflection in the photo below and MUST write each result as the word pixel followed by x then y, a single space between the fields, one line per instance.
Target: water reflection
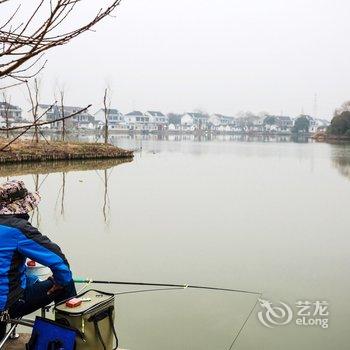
pixel 19 169
pixel 208 138
pixel 41 171
pixel 341 159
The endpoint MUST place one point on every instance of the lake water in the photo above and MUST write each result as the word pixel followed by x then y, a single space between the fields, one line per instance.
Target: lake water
pixel 268 216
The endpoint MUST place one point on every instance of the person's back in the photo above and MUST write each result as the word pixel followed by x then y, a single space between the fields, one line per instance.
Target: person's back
pixel 19 241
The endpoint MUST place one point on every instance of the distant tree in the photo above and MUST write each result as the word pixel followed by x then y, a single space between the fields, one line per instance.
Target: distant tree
pixel 33 93
pixel 62 114
pixel 302 124
pixel 107 106
pixel 263 114
pixel 270 120
pixel 246 115
pixel 345 107
pixel 174 118
pixel 340 124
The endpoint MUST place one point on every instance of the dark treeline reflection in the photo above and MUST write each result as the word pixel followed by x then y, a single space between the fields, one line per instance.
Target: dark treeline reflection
pixel 341 159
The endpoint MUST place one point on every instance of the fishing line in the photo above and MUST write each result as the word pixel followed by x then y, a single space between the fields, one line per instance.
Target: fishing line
pixel 181 286
pixel 245 322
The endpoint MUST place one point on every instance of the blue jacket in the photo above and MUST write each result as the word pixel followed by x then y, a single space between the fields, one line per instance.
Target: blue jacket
pixel 20 240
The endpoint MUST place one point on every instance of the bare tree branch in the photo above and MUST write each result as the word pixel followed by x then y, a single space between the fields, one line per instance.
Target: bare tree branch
pixel 107 106
pixel 23 43
pixel 36 124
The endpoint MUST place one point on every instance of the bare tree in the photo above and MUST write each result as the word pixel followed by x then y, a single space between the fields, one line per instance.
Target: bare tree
pixel 62 115
pixel 24 42
pixel 33 93
pixel 345 107
pixel 37 124
pixel 107 106
pixel 6 116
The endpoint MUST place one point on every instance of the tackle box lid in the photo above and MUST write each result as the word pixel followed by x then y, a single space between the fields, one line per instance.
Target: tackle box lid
pixel 92 299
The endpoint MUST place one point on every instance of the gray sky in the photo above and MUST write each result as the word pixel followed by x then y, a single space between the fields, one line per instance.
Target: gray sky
pixel 221 56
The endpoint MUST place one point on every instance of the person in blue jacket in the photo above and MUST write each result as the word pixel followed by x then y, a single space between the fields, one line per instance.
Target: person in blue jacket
pixel 19 240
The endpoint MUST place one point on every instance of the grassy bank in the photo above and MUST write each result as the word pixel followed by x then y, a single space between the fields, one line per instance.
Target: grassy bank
pixel 28 151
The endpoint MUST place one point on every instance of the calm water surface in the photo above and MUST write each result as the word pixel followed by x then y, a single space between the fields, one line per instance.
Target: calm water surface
pixel 265 216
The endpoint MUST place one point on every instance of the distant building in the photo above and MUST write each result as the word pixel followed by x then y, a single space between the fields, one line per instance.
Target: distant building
pixel 279 124
pixel 221 123
pixel 312 122
pixel 47 113
pixel 174 118
pixel 116 120
pixel 138 121
pixel 82 120
pixel 13 113
pixel 157 120
pixel 254 123
pixel 284 123
pixel 322 125
pixel 194 121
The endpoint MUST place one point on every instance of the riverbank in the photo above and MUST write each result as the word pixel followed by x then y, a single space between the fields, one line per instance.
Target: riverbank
pixel 28 151
pixel 324 137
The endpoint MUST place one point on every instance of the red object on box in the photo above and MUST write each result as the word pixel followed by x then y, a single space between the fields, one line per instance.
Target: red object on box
pixel 75 302
pixel 31 263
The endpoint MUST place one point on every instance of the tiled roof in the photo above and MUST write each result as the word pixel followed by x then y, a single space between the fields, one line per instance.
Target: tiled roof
pixel 197 115
pixel 111 111
pixel 156 114
pixel 8 105
pixel 135 113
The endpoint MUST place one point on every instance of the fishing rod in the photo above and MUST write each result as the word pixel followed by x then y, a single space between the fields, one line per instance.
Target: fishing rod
pixel 169 286
pixel 182 286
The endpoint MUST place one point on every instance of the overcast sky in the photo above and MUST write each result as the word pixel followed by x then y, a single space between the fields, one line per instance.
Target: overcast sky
pixel 220 56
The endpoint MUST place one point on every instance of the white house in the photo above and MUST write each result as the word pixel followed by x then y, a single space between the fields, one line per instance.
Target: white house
pixel 82 120
pixel 116 120
pixel 312 123
pixel 46 113
pixel 221 123
pixel 13 113
pixel 174 127
pixel 221 120
pixel 138 121
pixel 280 124
pixel 113 116
pixel 194 121
pixel 322 124
pixel 158 120
pixel 284 124
pixel 257 124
